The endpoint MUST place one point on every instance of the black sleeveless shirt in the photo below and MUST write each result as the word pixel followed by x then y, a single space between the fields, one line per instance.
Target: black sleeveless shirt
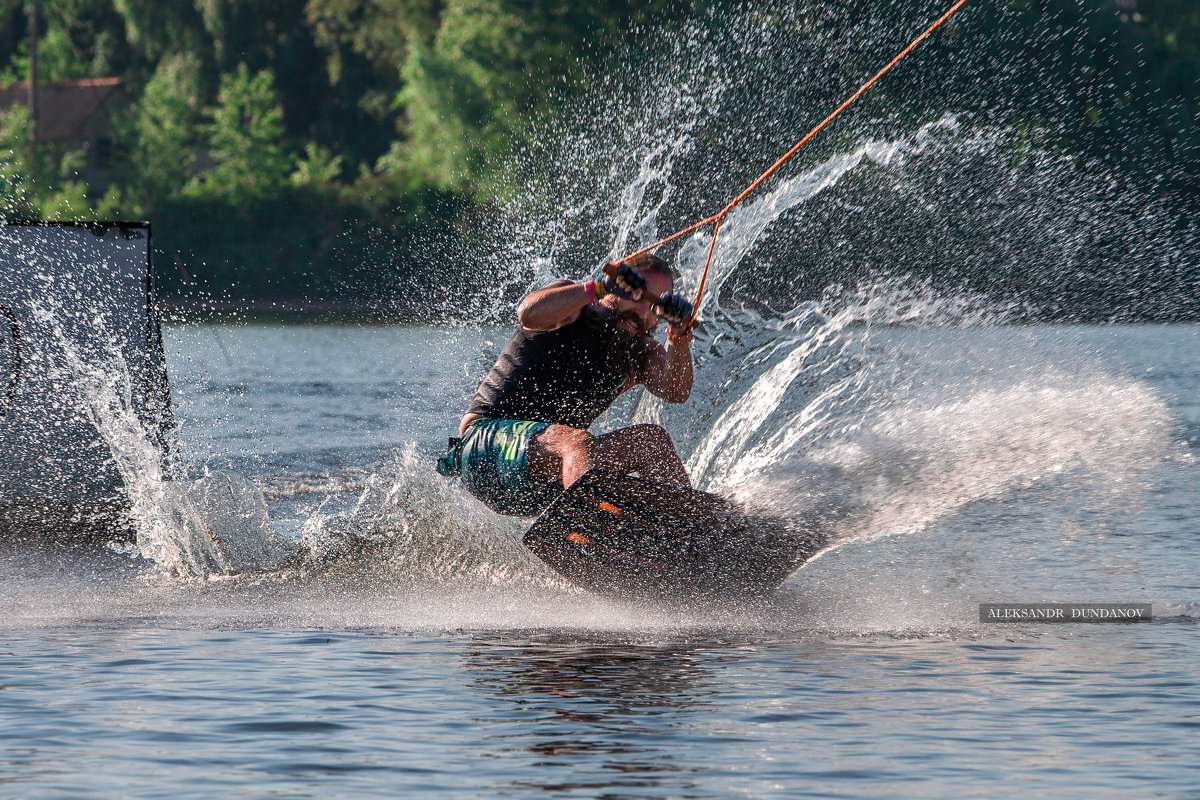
pixel 568 376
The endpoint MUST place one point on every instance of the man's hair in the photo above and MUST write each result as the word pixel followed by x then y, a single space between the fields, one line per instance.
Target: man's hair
pixel 650 263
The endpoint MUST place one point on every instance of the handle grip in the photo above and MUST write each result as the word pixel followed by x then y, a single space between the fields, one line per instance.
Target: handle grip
pixel 610 269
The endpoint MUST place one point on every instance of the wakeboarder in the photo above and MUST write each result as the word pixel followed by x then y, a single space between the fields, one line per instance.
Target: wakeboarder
pixel 578 347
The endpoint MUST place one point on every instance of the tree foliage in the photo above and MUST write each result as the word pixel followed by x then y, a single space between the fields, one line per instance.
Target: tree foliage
pixel 374 107
pixel 42 182
pixel 160 130
pixel 245 134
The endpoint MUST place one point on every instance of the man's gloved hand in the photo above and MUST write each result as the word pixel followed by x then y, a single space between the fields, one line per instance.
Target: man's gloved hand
pixel 674 308
pixel 629 283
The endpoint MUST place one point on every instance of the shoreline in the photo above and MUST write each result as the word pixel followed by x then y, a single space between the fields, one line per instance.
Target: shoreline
pixel 177 310
pixel 299 311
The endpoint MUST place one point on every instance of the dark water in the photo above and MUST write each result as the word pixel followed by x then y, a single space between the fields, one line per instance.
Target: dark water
pixel 147 711
pixel 963 465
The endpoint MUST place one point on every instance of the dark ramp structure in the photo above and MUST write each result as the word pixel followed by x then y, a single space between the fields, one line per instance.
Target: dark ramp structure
pixel 625 536
pixel 71 294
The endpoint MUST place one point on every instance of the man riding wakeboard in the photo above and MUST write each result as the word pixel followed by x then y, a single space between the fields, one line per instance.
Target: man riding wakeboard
pixel 578 347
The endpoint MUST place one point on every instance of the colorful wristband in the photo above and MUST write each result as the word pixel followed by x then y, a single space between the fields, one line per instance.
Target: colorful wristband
pixel 592 289
pixel 678 338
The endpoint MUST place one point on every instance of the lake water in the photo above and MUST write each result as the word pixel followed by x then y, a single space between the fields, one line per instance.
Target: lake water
pixel 418 650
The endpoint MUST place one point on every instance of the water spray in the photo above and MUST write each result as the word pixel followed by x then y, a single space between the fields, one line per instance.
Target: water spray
pixel 720 215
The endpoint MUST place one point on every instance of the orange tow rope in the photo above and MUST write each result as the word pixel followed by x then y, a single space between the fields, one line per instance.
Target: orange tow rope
pixel 720 215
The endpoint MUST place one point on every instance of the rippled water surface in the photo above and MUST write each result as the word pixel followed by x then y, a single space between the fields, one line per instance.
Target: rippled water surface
pixel 971 464
pixel 147 711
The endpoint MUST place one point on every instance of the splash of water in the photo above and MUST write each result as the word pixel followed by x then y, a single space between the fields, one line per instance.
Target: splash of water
pixel 218 524
pixel 796 406
pixel 917 462
pixel 409 524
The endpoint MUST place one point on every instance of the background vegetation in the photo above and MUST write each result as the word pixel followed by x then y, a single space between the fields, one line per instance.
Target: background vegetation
pixel 323 148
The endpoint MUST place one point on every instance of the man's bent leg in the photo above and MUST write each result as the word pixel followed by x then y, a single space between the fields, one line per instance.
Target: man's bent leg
pixel 561 450
pixel 644 449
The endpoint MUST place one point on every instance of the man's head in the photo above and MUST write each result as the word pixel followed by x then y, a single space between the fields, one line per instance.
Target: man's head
pixel 637 317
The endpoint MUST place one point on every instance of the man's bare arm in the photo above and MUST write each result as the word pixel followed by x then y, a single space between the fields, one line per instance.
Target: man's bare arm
pixel 560 303
pixel 556 305
pixel 669 371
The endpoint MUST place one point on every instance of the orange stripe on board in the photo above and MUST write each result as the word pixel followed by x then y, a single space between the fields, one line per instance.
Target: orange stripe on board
pixel 604 505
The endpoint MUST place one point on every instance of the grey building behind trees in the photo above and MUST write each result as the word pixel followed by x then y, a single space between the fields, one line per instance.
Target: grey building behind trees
pixel 77 115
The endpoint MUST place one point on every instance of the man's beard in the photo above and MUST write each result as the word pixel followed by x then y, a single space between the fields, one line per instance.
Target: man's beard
pixel 628 321
pixel 629 350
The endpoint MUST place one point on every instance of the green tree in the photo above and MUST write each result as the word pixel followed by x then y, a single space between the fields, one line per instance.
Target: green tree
pixel 78 38
pixel 16 69
pixel 472 80
pixel 246 139
pixel 160 130
pixel 17 183
pixel 377 30
pixel 318 167
pixel 156 30
pixel 363 43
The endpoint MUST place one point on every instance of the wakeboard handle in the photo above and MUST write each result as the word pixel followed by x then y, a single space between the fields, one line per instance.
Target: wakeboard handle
pixel 610 269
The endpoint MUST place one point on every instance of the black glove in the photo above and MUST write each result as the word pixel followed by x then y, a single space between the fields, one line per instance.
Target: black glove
pixel 674 308
pixel 629 276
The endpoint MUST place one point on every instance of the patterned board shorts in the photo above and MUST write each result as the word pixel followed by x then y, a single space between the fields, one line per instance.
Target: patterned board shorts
pixel 493 459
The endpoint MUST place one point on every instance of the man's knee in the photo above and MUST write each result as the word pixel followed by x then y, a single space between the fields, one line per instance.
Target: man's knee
pixel 654 435
pixel 562 451
pixel 562 440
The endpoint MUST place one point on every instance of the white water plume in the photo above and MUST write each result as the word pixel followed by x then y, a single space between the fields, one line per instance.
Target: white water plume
pixel 410 524
pixel 723 456
pixel 914 463
pixel 218 524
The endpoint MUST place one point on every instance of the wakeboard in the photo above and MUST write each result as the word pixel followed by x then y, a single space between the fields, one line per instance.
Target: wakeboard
pixel 621 535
